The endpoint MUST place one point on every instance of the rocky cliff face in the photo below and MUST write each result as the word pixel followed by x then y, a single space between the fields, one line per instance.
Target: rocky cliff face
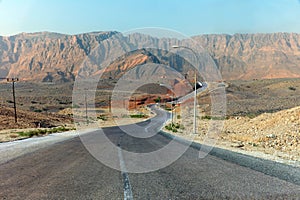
pixel 52 57
pixel 46 56
pixel 251 56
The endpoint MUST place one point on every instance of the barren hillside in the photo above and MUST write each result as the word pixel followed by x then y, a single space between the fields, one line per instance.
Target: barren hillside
pixel 255 56
pixel 53 57
pixel 277 133
pixel 27 119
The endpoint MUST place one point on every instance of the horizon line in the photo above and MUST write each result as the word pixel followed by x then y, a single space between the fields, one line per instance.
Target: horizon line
pixel 111 31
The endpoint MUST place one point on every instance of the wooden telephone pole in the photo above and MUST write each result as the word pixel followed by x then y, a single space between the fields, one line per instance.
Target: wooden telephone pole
pixel 13 80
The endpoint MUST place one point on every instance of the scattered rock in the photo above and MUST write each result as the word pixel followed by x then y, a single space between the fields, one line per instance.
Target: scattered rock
pixel 238 145
pixel 271 136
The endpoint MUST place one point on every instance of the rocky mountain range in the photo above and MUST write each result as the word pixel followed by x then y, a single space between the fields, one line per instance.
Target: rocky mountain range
pixel 53 57
pixel 255 56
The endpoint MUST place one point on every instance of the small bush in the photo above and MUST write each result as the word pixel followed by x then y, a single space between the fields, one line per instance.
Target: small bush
pixel 41 131
pixel 64 102
pixel 102 117
pixel 22 134
pixel 138 116
pixel 292 88
pixel 251 115
pixel 157 100
pixel 174 127
pixel 253 144
pixel 168 127
pixel 45 109
pixel 207 117
pixel 59 129
pixel 76 106
pixel 38 132
pixel 28 134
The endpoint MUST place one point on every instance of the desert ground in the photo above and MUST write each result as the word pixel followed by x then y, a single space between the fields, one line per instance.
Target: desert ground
pixel 262 119
pixel 45 106
pixel 261 115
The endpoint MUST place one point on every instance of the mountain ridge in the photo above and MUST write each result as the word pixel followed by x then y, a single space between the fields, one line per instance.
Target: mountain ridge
pixel 50 56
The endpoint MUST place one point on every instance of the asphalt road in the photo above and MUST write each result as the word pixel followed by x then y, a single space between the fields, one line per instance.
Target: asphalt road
pixel 66 170
pixel 191 95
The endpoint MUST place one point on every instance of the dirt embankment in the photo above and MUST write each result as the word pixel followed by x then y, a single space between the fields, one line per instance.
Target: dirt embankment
pixel 275 134
pixel 32 124
pixel 27 119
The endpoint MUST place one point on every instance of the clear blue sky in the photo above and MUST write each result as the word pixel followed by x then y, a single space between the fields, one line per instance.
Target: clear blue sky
pixel 190 17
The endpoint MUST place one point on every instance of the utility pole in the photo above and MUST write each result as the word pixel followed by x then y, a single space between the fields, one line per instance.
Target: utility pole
pixel 195 104
pixel 109 104
pixel 14 99
pixel 172 108
pixel 86 110
pixel 13 80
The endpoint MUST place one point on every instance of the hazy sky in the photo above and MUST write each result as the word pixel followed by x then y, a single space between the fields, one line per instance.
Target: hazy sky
pixel 190 17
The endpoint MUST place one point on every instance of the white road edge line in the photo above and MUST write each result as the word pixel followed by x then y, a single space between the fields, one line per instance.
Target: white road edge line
pixel 126 183
pixel 14 149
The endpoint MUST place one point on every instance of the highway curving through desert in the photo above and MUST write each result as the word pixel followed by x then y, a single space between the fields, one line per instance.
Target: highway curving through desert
pixel 66 170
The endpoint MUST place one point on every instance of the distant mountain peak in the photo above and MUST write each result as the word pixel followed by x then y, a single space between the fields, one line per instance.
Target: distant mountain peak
pixel 58 57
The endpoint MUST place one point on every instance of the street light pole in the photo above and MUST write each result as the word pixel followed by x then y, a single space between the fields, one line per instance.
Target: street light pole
pixel 86 106
pixel 195 89
pixel 195 105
